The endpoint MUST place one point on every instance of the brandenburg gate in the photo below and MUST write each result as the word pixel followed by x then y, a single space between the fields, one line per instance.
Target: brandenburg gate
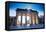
pixel 26 17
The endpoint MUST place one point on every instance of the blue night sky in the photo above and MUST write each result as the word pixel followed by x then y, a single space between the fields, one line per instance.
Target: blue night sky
pixel 38 7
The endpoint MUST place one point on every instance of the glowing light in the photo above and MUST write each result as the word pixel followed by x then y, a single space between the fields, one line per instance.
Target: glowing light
pixel 19 19
pixel 28 18
pixel 23 19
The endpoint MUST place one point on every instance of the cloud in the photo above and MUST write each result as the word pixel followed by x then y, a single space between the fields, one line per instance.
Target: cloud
pixel 41 13
pixel 12 13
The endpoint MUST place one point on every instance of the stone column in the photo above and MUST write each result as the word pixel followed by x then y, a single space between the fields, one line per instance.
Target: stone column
pixel 16 19
pixel 36 19
pixel 30 19
pixel 26 19
pixel 21 19
pixel 33 18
